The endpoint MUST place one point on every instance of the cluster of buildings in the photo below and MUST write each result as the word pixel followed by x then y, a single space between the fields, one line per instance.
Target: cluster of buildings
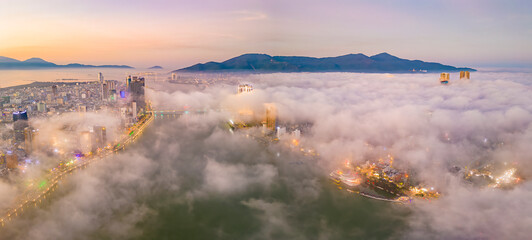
pixel 380 180
pixel 22 104
pixel 445 77
pixel 272 128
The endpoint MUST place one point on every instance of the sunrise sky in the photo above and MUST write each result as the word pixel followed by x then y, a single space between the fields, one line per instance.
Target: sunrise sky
pixel 179 33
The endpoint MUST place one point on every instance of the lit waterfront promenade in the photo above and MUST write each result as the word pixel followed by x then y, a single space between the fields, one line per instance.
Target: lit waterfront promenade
pixel 36 193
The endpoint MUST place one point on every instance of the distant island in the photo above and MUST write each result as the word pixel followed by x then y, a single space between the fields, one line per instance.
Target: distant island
pixel 156 67
pixel 39 63
pixel 263 63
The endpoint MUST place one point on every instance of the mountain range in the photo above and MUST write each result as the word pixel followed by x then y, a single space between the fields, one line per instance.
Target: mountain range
pixel 379 63
pixel 38 63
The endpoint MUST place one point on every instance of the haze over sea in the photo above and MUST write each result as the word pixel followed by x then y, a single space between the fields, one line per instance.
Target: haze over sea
pixel 10 78
pixel 190 178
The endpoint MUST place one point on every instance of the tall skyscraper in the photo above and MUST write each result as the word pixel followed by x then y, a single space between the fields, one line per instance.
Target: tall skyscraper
pixel 85 142
pixel 134 109
pixel 128 82
pixel 136 89
pixel 111 84
pixel 99 137
pixel 11 160
pixel 2 161
pixel 54 91
pixel 464 75
pixel 20 115
pixel 41 107
pixel 105 92
pixel 444 78
pixel 271 116
pixel 19 127
pixel 101 82
pixel 29 136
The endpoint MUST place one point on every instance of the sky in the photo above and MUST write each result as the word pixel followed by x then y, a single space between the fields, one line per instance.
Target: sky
pixel 178 33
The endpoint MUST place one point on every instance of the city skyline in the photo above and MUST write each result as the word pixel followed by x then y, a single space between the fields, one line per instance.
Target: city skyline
pixel 174 119
pixel 177 34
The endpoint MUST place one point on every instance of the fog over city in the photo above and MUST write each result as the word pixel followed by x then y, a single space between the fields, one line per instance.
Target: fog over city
pixel 213 183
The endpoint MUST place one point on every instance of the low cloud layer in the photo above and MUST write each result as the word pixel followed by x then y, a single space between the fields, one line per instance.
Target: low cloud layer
pixel 189 176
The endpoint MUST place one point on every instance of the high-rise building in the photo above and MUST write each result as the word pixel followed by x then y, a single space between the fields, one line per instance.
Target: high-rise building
pixel 6 99
pixel 128 82
pixel 464 75
pixel 85 142
pixel 11 160
pixel 2 161
pixel 99 137
pixel 19 127
pixel 444 78
pixel 29 137
pixel 136 89
pixel 101 82
pixel 82 108
pixel 271 116
pixel 41 107
pixel 280 132
pixel 105 92
pixel 134 109
pixel 297 134
pixel 242 88
pixel 54 91
pixel 20 115
pixel 111 84
pixel 112 95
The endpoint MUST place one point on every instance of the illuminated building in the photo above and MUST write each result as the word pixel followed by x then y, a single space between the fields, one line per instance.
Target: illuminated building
pixel 174 76
pixel 112 95
pixel 29 137
pixel 464 75
pixel 128 82
pixel 11 160
pixel 136 89
pixel 99 137
pixel 271 115
pixel 134 109
pixel 2 161
pixel 297 134
pixel 21 122
pixel 20 115
pixel 280 132
pixel 444 78
pixel 242 88
pixel 82 108
pixel 85 142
